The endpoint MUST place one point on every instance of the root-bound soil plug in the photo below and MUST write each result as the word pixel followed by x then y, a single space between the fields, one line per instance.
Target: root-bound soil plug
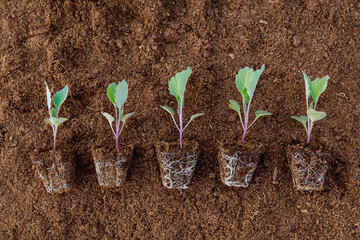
pixel 112 165
pixel 238 162
pixel 56 169
pixel 308 167
pixel 177 164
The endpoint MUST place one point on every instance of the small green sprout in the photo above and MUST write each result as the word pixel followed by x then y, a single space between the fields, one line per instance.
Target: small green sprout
pixel 117 95
pixel 55 121
pixel 246 81
pixel 314 89
pixel 177 87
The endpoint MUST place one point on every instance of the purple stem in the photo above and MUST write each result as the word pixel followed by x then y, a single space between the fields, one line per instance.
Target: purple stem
pixel 55 133
pixel 117 133
pixel 309 131
pixel 246 120
pixel 181 125
pixel 54 129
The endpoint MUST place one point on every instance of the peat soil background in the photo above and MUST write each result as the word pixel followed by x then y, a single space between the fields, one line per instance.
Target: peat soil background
pixel 89 44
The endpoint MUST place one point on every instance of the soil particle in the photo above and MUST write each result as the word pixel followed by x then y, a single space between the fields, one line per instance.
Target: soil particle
pixel 89 44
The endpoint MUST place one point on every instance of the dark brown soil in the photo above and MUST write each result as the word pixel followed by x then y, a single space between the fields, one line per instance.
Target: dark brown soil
pixel 238 161
pixel 112 165
pixel 89 44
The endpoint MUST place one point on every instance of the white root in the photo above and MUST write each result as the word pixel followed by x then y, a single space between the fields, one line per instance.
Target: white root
pixel 177 168
pixel 117 166
pixel 238 168
pixel 53 176
pixel 308 175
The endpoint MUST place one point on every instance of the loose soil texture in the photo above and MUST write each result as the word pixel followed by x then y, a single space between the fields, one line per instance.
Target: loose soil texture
pixel 89 44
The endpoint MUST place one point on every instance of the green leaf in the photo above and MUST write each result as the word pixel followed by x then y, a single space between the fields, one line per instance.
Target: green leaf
pixel 245 96
pixel 126 116
pixel 169 110
pixel 315 115
pixel 111 90
pixel 196 116
pixel 192 118
pixel 307 85
pixel 312 105
pixel 254 81
pixel 260 113
pixel 177 85
pixel 243 78
pixel 57 121
pixel 48 96
pixel 47 120
pixel 108 117
pixel 246 81
pixel 318 86
pixel 234 105
pixel 302 119
pixel 60 97
pixel 53 112
pixel 121 94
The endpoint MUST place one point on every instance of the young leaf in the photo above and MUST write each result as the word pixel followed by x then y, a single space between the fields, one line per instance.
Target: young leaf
pixel 111 92
pixel 302 119
pixel 260 113
pixel 234 105
pixel 243 78
pixel 126 116
pixel 318 86
pixel 254 81
pixel 108 117
pixel 57 121
pixel 312 105
pixel 315 115
pixel 307 85
pixel 53 112
pixel 196 116
pixel 60 97
pixel 245 96
pixel 47 120
pixel 169 110
pixel 246 81
pixel 121 94
pixel 193 117
pixel 48 96
pixel 177 84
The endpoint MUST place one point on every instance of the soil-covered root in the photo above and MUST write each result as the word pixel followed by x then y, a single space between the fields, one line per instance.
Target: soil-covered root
pixel 238 162
pixel 56 169
pixel 111 165
pixel 308 167
pixel 177 164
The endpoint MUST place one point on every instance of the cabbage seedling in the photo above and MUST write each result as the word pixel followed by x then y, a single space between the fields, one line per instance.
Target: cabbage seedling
pixel 314 89
pixel 117 94
pixel 55 121
pixel 177 87
pixel 246 81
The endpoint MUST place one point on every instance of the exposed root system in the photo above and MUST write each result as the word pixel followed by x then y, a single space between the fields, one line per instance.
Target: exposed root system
pixel 238 162
pixel 176 165
pixel 111 165
pixel 308 167
pixel 56 170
